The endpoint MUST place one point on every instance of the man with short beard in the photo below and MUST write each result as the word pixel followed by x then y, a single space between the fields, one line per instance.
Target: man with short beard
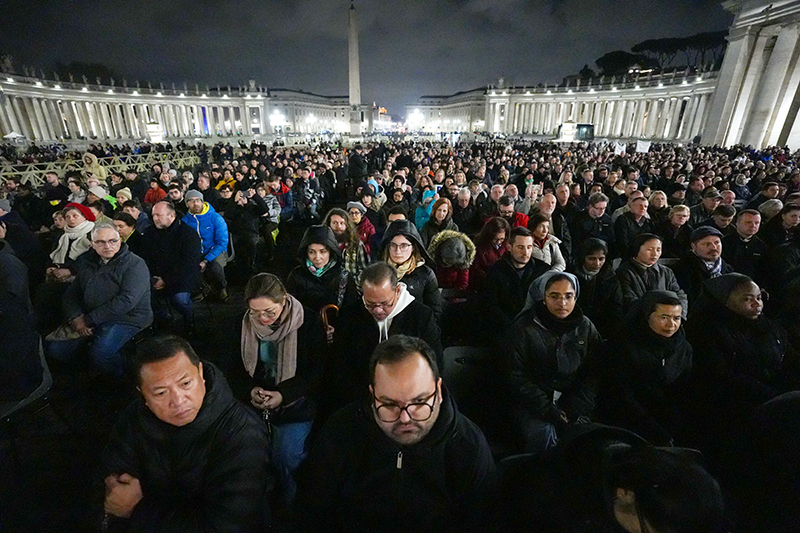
pixel 406 448
pixel 354 253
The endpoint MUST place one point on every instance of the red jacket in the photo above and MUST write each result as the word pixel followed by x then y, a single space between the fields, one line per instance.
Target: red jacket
pixel 520 219
pixel 485 257
pixel 365 232
pixel 452 278
pixel 153 196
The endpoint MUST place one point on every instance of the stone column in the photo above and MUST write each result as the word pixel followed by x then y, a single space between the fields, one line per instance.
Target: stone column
pixel 13 116
pixel 749 87
pixel 43 116
pixel 5 123
pixel 742 45
pixel 72 120
pixel 652 118
pixel 36 125
pixel 759 123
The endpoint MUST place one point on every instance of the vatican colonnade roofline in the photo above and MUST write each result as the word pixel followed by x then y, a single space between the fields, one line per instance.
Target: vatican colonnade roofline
pixel 49 111
pixel 671 106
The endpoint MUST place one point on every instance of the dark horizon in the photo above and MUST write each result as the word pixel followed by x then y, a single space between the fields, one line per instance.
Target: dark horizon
pixel 438 47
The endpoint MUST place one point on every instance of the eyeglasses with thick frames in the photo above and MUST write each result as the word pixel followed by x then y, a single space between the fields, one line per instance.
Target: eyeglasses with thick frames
pixel 417 411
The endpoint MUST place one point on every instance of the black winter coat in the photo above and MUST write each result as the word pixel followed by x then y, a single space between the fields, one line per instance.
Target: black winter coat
pixel 356 479
pixel 424 287
pixel 646 383
pixel 584 227
pixel 600 298
pixel 543 361
pixel 506 291
pixel 744 257
pixel 626 229
pixel 210 474
pixel 634 281
pixel 691 273
pixel 357 337
pixel 739 362
pixel 174 254
pixel 674 244
pixel 317 292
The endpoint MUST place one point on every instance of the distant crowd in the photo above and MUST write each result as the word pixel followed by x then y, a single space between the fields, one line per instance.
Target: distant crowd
pixel 626 311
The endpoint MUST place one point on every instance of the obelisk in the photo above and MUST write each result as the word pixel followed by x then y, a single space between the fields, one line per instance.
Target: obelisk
pixel 355 76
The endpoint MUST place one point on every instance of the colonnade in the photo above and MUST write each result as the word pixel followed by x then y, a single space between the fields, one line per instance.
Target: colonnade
pixel 51 119
pixel 666 117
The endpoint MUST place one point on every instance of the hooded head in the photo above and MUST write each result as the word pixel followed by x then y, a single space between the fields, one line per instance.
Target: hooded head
pixel 408 230
pixel 319 235
pixel 452 249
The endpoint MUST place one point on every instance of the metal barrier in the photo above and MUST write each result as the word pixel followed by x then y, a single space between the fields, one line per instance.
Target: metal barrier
pixel 34 173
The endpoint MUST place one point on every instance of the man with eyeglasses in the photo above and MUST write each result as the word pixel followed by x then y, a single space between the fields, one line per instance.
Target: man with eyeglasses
pixel 107 303
pixel 386 309
pixel 404 460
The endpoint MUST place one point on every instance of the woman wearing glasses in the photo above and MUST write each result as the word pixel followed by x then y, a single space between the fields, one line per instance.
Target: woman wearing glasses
pixel 280 345
pixel 552 348
pixel 403 249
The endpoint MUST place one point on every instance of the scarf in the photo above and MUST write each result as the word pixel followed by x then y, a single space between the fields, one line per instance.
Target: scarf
pixel 318 272
pixel 71 244
pixel 714 267
pixel 283 333
pixel 406 268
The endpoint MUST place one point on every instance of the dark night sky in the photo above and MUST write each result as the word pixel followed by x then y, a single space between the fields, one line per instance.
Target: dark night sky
pixel 408 47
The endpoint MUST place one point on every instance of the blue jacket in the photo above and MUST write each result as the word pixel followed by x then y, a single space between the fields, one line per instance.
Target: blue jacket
pixel 212 229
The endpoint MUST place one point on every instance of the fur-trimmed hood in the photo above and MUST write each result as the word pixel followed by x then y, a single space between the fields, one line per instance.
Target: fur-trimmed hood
pixel 452 249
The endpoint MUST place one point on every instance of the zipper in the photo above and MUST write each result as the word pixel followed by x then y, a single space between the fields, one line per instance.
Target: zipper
pixel 399 460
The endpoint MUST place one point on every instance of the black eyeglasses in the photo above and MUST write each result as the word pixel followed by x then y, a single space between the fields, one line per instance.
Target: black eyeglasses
pixel 417 411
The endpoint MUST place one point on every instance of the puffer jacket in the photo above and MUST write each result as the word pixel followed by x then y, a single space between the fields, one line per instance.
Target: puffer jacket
pixel 543 361
pixel 421 282
pixel 635 280
pixel 213 231
pixel 210 474
pixel 117 292
pixel 454 253
pixel 550 253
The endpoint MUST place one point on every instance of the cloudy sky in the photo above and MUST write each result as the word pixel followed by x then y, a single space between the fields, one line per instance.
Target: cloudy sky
pixel 408 47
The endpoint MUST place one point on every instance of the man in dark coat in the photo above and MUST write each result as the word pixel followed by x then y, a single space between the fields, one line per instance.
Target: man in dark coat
pixel 742 249
pixel 387 309
pixel 631 224
pixel 704 262
pixel 594 222
pixel 186 456
pixel 508 281
pixel 173 253
pixel 356 164
pixel 406 460
pixel 465 213
pixel 107 303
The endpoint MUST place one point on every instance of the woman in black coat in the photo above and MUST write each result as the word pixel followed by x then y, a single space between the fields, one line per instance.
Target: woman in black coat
pixel 320 279
pixel 650 363
pixel 600 298
pixel 403 249
pixel 281 345
pixel 552 349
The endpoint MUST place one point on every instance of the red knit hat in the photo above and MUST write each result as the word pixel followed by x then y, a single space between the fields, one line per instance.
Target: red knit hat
pixel 85 211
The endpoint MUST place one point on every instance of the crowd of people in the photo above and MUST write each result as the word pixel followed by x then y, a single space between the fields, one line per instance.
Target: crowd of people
pixel 634 308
